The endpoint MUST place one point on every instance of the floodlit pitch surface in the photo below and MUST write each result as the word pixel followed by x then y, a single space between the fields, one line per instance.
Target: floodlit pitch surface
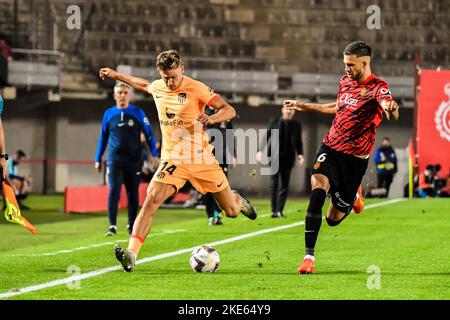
pixel 393 250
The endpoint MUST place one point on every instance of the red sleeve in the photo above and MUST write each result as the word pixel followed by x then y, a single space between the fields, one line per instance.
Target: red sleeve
pixel 383 93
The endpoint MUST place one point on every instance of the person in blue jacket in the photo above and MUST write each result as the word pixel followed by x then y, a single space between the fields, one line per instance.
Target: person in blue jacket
pixel 121 129
pixel 386 162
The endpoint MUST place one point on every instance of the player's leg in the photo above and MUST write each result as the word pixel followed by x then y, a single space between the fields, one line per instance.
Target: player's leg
pixel 218 214
pixel 131 181
pixel 379 179
pixel 383 182
pixel 115 179
pixel 19 185
pixel 389 179
pixel 232 203
pixel 210 205
pixel 165 182
pixel 157 193
pixel 285 175
pixel 320 185
pixel 229 202
pixel 335 216
pixel 274 182
pixel 211 178
pixel 324 177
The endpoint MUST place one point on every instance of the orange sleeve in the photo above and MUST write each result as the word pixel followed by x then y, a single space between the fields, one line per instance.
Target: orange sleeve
pixel 205 94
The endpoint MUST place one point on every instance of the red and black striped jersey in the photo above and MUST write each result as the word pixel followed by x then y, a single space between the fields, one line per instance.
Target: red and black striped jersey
pixel 358 116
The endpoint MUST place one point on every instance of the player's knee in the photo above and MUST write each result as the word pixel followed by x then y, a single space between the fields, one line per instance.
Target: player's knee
pixel 332 222
pixel 153 200
pixel 319 181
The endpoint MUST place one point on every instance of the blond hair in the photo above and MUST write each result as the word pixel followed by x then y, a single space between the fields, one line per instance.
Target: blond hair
pixel 169 60
pixel 120 85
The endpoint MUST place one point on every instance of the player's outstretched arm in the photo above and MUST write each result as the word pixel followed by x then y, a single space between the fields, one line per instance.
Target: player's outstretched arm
pixel 390 107
pixel 135 82
pixel 325 108
pixel 224 112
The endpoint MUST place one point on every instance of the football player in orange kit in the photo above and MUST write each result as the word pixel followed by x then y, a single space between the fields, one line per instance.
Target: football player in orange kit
pixel 186 153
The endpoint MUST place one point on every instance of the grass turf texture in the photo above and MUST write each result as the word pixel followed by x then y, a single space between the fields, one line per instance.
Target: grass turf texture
pixel 409 241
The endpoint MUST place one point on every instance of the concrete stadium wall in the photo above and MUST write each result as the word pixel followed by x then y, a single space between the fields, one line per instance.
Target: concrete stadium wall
pixel 68 131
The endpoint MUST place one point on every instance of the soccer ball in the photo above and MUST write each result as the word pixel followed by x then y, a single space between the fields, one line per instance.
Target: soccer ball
pixel 204 259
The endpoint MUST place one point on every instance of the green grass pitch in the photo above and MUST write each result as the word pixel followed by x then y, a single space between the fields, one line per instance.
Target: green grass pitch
pixel 408 242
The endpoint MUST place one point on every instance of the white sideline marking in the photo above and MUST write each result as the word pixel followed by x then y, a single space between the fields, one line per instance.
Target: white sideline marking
pixel 366 207
pixel 95 245
pixel 163 256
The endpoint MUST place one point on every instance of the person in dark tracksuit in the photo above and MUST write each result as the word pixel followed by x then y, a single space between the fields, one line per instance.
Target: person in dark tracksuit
pixel 290 149
pixel 386 161
pixel 225 153
pixel 121 128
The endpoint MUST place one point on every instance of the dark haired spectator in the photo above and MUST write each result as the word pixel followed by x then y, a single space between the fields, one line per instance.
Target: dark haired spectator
pixel 20 184
pixel 426 182
pixel 440 182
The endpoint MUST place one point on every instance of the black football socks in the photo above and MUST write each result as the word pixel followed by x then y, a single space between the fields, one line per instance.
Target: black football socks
pixel 313 219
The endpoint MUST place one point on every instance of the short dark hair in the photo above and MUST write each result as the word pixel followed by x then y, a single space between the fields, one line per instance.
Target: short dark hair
pixel 358 48
pixel 169 60
pixel 429 167
pixel 386 138
pixel 21 154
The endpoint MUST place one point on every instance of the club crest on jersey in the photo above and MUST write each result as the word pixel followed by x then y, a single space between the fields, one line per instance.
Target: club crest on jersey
pixel 130 123
pixel 161 175
pixel 363 91
pixel 182 97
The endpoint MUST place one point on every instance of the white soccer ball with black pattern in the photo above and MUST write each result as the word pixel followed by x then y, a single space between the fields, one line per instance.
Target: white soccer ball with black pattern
pixel 204 259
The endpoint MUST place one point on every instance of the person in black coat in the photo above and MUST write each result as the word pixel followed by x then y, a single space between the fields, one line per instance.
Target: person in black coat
pixel 290 150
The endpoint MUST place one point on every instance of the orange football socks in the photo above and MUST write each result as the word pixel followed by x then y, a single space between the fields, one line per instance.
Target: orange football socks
pixel 135 243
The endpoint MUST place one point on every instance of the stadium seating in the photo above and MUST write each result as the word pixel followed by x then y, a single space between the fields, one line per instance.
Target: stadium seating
pixel 36 74
pixel 280 36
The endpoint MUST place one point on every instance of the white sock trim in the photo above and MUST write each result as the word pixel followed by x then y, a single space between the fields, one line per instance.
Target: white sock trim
pixel 308 256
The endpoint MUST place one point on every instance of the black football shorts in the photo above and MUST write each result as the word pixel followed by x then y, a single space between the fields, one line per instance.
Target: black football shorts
pixel 345 173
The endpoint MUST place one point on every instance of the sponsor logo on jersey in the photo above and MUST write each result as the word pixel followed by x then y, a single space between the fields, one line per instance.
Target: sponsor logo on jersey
pixel 385 91
pixel 169 115
pixel 347 99
pixel 171 123
pixel 316 165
